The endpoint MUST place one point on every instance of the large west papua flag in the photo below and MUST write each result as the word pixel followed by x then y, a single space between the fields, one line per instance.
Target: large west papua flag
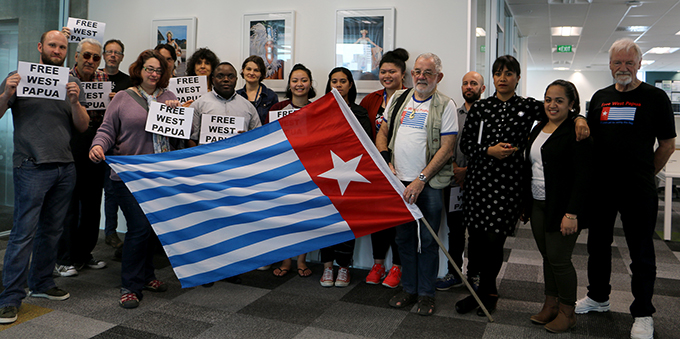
pixel 307 181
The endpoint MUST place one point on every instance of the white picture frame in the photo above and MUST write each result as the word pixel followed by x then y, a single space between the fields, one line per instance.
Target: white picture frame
pixel 183 35
pixel 271 35
pixel 361 38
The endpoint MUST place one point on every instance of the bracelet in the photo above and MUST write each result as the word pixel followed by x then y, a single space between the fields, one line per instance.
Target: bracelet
pixel 570 218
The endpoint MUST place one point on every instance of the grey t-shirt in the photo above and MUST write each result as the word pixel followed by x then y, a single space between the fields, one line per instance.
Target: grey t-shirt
pixel 236 106
pixel 42 127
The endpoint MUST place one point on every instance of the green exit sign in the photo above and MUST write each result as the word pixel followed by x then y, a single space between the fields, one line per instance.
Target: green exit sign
pixel 563 48
pixel 482 49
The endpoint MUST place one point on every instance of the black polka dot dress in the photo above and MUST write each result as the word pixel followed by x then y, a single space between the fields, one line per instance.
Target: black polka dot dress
pixel 493 187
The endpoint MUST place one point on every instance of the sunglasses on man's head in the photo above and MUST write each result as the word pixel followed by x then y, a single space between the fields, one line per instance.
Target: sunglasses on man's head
pixel 95 57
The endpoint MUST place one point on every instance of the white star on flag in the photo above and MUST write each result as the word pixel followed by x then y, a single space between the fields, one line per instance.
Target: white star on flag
pixel 344 172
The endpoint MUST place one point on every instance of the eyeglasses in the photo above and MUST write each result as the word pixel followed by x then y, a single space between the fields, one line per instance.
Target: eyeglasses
pixel 426 73
pixel 95 57
pixel 158 71
pixel 114 52
pixel 220 76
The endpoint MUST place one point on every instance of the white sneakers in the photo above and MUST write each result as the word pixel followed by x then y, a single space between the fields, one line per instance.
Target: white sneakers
pixel 643 328
pixel 586 305
pixel 65 271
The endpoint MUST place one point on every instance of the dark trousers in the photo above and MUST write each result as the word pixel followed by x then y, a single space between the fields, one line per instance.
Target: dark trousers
pixel 487 255
pixel 382 241
pixel 138 249
pixel 638 210
pixel 110 204
pixel 342 253
pixel 454 220
pixel 556 249
pixel 81 227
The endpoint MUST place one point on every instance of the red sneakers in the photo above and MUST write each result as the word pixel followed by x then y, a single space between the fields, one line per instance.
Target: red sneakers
pixel 327 277
pixel 393 278
pixel 376 274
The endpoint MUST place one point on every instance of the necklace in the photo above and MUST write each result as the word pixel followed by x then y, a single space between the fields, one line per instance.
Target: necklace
pixel 413 113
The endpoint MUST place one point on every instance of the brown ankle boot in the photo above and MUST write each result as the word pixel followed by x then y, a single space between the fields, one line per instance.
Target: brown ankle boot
pixel 565 320
pixel 548 313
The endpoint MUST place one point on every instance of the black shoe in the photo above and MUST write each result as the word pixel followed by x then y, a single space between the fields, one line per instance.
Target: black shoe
pixel 489 302
pixel 466 305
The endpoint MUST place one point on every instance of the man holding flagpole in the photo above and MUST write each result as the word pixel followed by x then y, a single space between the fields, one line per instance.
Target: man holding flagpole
pixel 418 145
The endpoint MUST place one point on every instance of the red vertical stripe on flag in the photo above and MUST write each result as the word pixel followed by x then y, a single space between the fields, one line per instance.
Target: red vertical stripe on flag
pixel 319 128
pixel 605 114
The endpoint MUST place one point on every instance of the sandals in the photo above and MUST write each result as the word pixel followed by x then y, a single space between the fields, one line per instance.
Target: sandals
pixel 425 305
pixel 403 299
pixel 304 272
pixel 280 272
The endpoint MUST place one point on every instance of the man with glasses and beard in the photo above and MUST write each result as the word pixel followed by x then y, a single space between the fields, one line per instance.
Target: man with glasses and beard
pixel 44 177
pixel 81 227
pixel 473 87
pixel 417 143
pixel 626 120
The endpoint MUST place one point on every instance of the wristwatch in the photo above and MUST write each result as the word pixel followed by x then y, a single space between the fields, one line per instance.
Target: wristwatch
pixel 422 177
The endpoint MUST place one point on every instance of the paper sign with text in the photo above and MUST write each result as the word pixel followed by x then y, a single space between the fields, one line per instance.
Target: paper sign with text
pixel 456 199
pixel 82 29
pixel 276 115
pixel 217 127
pixel 188 88
pixel 42 81
pixel 171 122
pixel 97 94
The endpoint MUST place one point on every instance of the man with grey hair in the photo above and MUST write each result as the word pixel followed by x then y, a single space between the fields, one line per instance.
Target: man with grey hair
pixel 626 119
pixel 81 227
pixel 418 144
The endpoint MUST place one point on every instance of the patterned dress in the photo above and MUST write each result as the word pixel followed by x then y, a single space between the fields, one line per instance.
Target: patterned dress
pixel 493 187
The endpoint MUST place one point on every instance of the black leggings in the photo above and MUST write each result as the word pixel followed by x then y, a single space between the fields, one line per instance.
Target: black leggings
pixel 485 252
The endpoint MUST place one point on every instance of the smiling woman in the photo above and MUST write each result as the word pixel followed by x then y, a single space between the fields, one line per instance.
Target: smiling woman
pixel 123 130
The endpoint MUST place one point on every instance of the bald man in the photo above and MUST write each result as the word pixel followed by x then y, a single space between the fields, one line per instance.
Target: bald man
pixel 44 177
pixel 472 87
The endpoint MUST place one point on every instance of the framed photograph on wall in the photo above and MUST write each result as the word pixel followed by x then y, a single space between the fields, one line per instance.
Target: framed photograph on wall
pixel 271 36
pixel 180 34
pixel 362 36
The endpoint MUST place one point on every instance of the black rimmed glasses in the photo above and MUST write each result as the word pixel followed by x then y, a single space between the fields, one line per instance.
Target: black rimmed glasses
pixel 150 70
pixel 114 52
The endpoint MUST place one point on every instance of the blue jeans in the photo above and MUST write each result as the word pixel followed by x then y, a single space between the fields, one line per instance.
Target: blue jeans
pixel 137 266
pixel 110 204
pixel 41 197
pixel 419 270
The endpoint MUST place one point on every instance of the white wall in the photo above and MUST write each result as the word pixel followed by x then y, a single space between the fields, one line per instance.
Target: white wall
pixel 587 83
pixel 420 28
pixel 439 29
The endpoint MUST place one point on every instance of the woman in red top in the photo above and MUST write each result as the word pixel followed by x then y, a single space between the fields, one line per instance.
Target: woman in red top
pixel 392 73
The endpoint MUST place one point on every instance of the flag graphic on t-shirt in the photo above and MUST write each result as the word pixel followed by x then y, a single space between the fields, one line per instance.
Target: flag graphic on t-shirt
pixel 304 182
pixel 612 114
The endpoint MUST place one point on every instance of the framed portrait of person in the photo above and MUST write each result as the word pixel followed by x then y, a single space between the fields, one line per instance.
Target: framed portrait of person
pixel 362 36
pixel 180 34
pixel 271 36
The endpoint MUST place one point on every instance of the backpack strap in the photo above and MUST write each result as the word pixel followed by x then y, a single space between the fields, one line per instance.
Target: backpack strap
pixel 395 109
pixel 138 98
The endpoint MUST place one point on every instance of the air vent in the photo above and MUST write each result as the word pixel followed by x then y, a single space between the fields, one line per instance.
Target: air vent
pixel 561 62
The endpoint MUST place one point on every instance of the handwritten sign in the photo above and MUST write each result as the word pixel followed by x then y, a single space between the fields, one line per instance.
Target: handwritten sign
pixel 171 122
pixel 217 127
pixel 82 29
pixel 276 115
pixel 42 81
pixel 97 94
pixel 456 199
pixel 188 88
